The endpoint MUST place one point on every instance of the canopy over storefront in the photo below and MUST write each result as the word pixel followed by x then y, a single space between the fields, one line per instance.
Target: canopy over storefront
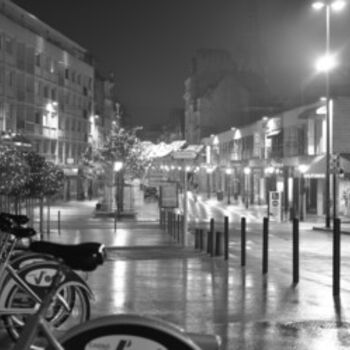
pixel 317 167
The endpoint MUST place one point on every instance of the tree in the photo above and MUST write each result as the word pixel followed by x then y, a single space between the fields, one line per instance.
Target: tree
pixel 45 178
pixel 124 146
pixel 13 172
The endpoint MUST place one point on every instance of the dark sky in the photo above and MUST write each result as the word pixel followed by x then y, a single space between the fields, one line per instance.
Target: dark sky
pixel 149 44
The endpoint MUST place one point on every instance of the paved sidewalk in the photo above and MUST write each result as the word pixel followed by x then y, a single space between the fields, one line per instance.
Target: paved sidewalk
pixel 148 273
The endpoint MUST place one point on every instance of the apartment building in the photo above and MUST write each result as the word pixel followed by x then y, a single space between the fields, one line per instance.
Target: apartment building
pixel 46 88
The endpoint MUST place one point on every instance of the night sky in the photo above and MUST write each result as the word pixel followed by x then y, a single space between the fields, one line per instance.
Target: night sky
pixel 149 44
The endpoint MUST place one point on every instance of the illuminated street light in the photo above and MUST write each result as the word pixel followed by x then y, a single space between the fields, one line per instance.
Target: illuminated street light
pixel 117 166
pixel 326 64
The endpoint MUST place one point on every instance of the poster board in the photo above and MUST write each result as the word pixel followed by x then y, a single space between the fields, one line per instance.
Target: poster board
pixel 169 195
pixel 275 206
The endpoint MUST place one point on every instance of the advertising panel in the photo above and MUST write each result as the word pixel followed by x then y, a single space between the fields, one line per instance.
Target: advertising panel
pixel 169 195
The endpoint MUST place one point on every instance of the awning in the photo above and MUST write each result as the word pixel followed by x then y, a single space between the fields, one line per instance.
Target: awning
pixel 317 167
pixel 273 133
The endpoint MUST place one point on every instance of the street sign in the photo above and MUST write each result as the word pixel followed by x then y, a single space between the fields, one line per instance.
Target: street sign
pixel 184 155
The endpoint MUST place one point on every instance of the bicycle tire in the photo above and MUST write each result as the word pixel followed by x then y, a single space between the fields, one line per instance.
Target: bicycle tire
pixel 133 332
pixel 46 270
pixel 58 317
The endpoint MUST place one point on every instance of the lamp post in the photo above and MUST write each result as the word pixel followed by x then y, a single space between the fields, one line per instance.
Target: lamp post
pixel 302 169
pixel 209 170
pixel 325 64
pixel 228 172
pixel 247 172
pixel 118 165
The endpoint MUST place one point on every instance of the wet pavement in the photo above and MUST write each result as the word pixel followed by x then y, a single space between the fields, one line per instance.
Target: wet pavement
pixel 148 273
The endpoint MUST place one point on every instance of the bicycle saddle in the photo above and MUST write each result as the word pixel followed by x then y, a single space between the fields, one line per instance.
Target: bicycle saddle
pixel 10 223
pixel 14 218
pixel 84 256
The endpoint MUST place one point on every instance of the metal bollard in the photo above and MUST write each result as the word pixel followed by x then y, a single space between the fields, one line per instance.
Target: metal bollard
pixel 219 243
pixel 59 222
pixel 295 251
pixel 212 238
pixel 201 239
pixel 336 257
pixel 265 244
pixel 243 240
pixel 226 238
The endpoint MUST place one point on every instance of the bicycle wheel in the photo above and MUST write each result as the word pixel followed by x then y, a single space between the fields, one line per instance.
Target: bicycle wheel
pixel 70 307
pixel 132 332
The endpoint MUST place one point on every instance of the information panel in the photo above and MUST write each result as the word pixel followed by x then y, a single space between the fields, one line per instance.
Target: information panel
pixel 169 195
pixel 275 206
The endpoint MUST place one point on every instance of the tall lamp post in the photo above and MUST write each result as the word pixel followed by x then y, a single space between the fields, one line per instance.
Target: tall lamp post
pixel 325 64
pixel 228 172
pixel 247 172
pixel 117 167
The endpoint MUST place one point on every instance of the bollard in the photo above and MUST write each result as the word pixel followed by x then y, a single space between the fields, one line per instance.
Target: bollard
pixel 226 238
pixel 219 242
pixel 178 228
pixel 175 218
pixel 59 222
pixel 295 251
pixel 212 238
pixel 336 257
pixel 265 245
pixel 201 239
pixel 196 238
pixel 243 240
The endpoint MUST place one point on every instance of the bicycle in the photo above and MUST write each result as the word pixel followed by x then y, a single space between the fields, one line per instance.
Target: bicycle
pixel 26 278
pixel 119 332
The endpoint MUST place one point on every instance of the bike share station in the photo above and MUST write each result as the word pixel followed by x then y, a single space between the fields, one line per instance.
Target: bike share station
pixel 36 325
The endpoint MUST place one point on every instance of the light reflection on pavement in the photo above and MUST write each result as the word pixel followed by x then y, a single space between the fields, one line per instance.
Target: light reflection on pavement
pixel 148 273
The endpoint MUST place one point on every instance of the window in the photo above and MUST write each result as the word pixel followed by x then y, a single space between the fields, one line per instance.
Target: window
pixel 46 91
pixel 9 45
pixel 53 94
pixel 11 79
pixel 38 59
pixel 38 118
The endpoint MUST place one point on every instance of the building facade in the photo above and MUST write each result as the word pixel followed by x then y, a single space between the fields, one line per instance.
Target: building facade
pixel 284 153
pixel 46 89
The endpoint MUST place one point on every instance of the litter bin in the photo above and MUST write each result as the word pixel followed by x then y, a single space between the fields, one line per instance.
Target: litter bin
pixel 220 195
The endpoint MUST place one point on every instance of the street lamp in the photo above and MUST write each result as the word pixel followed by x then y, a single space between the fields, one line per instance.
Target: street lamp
pixel 325 64
pixel 209 170
pixel 228 172
pixel 302 169
pixel 118 165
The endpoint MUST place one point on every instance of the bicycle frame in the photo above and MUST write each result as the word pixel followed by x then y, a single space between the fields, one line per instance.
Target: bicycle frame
pixel 37 320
